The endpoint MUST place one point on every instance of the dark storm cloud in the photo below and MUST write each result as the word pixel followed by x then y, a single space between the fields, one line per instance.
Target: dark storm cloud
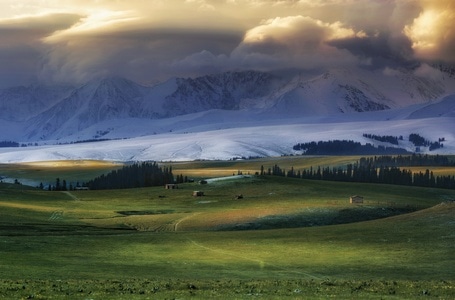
pixel 18 65
pixel 139 54
pixel 21 47
pixel 381 50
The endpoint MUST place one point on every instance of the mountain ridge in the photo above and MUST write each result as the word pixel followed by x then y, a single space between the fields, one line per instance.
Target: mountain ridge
pixel 338 91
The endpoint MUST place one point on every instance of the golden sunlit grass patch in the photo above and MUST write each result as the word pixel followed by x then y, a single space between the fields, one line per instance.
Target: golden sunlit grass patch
pixel 226 168
pixel 437 171
pixel 48 171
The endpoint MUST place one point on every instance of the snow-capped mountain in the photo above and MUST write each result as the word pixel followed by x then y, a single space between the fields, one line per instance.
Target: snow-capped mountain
pixel 21 103
pixel 345 91
pixel 101 107
pixel 111 98
pixel 226 91
pixel 118 98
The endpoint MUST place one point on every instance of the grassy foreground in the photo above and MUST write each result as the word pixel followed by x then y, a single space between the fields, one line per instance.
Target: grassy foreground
pixel 154 243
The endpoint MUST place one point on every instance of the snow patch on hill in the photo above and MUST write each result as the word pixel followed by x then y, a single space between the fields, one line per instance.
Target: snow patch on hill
pixel 256 139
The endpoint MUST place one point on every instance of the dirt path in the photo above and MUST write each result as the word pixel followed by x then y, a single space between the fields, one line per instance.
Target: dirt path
pixel 176 224
pixel 71 195
pixel 56 215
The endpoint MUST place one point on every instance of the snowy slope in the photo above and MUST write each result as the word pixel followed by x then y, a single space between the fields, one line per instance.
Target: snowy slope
pixel 443 108
pixel 226 139
pixel 111 98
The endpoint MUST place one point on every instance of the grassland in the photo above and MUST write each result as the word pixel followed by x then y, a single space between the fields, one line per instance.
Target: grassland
pixel 47 171
pixel 202 169
pixel 287 238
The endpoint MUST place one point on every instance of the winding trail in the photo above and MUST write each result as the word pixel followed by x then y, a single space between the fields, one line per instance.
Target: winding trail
pixel 176 224
pixel 71 195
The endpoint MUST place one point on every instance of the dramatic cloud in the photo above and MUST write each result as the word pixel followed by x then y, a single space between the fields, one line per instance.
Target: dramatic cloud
pixel 139 55
pixel 433 33
pixel 294 42
pixel 77 40
pixel 21 49
pixel 278 43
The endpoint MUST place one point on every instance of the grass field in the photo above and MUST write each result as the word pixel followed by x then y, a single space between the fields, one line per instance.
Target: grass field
pixel 201 169
pixel 287 238
pixel 47 171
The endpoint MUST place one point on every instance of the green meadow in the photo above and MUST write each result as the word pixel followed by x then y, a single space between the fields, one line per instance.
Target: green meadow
pixel 286 238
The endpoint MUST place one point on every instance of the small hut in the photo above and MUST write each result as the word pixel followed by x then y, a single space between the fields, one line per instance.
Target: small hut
pixel 171 186
pixel 198 194
pixel 356 199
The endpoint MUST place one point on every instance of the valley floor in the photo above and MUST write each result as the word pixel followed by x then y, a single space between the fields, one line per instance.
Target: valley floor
pixel 286 238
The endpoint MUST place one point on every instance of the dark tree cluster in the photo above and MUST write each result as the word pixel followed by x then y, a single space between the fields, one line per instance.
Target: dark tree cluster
pixel 344 147
pixel 413 160
pixel 86 141
pixel 420 141
pixel 435 145
pixel 136 175
pixel 383 138
pixel 366 170
pixel 60 185
pixel 5 144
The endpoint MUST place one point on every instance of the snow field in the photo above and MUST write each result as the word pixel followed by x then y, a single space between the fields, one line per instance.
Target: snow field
pixel 225 144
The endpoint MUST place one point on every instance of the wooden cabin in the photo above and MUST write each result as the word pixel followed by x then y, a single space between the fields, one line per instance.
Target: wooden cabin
pixel 356 199
pixel 198 194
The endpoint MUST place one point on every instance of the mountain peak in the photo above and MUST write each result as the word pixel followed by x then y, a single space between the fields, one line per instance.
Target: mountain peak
pixel 54 114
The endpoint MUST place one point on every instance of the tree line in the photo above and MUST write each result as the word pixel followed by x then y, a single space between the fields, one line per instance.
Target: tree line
pixel 137 175
pixel 345 147
pixel 384 138
pixel 369 171
pixel 416 160
pixel 7 144
pixel 420 141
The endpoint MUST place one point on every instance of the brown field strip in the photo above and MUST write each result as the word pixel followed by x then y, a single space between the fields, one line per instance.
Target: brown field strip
pixel 437 171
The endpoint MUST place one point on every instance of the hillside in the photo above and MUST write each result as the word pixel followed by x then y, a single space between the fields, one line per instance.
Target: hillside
pixel 166 243
pixel 187 138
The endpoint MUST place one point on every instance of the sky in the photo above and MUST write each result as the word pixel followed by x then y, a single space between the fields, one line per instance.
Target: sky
pixel 74 41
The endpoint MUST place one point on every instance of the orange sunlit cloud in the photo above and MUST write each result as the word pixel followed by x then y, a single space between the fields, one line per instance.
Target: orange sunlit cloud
pixel 76 40
pixel 432 33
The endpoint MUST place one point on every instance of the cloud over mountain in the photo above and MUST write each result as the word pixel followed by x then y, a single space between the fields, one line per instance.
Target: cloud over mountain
pixel 75 41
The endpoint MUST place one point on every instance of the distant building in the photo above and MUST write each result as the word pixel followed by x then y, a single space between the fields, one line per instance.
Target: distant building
pixel 198 194
pixel 171 186
pixel 81 188
pixel 356 199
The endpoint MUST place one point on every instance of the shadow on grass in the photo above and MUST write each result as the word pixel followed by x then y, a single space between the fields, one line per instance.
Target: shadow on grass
pixel 320 217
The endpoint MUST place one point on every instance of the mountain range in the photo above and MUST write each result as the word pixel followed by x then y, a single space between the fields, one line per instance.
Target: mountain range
pixel 117 108
pixel 54 113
